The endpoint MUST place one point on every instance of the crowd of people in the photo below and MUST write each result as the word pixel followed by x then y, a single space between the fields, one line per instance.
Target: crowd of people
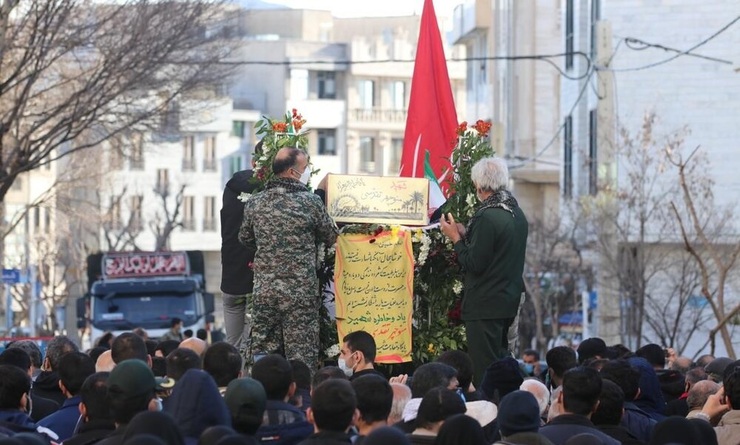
pixel 133 390
pixel 263 385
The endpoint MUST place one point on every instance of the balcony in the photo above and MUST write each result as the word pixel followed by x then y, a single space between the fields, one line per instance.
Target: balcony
pixel 188 224
pixel 162 189
pixel 377 115
pixel 188 164
pixel 469 19
pixel 136 164
pixel 209 225
pixel 209 165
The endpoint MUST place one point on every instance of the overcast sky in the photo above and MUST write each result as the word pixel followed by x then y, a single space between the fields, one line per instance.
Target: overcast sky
pixel 371 8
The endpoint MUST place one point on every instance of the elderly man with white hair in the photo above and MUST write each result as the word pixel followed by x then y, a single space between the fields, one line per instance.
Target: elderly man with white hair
pixel 540 392
pixel 490 249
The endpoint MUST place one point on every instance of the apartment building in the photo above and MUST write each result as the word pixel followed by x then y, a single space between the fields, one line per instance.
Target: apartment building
pixel 349 77
pixel 521 97
pixel 285 59
pixel 668 58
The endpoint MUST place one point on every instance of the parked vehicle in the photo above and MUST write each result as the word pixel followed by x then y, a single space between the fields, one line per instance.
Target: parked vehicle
pixel 127 290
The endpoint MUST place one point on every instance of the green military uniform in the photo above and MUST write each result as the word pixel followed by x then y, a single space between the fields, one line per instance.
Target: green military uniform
pixel 492 256
pixel 285 223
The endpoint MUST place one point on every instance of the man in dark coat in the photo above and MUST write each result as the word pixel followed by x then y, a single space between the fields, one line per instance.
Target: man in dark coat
pixel 47 382
pixel 491 252
pixel 237 278
pixel 97 421
pixel 579 399
pixel 333 411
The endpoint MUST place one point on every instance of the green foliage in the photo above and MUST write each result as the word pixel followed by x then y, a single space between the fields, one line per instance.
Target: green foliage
pixel 437 277
pixel 277 134
pixel 473 145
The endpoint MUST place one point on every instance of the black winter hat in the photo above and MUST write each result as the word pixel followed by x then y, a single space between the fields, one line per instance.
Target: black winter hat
pixel 590 348
pixel 504 375
pixel 518 412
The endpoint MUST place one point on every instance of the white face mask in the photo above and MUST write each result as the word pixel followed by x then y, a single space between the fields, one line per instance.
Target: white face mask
pixel 346 369
pixel 305 176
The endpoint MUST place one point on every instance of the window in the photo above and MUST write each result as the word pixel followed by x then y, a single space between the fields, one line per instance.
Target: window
pixel 237 129
pixel 235 164
pixel 367 154
pixel 36 219
pixel 483 62
pixel 209 219
pixel 135 221
pixel 327 142
pixel 170 122
pixel 298 84
pixel 568 157
pixel 366 90
pixel 209 155
pixel 163 182
pixel 396 153
pixel 327 84
pixel 398 95
pixel 593 166
pixel 47 219
pixel 188 153
pixel 137 152
pixel 595 17
pixel 188 213
pixel 569 38
pixel 114 220
pixel 115 154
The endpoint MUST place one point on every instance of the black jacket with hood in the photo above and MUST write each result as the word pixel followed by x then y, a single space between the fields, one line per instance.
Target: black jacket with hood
pixel 237 277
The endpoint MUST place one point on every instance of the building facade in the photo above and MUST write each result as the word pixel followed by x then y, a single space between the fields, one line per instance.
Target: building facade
pixel 521 97
pixel 670 60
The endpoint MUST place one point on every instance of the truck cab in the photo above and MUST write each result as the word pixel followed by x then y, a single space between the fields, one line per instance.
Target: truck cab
pixel 145 289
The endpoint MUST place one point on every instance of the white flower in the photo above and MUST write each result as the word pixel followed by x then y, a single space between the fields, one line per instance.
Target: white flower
pixel 470 199
pixel 426 242
pixel 333 350
pixel 457 287
pixel 244 196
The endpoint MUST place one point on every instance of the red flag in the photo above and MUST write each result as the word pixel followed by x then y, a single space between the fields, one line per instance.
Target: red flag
pixel 432 119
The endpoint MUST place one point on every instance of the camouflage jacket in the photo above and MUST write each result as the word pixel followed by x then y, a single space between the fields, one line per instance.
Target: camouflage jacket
pixel 285 223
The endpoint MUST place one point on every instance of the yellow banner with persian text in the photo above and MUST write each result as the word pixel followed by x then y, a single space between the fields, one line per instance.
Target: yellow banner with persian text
pixel 374 282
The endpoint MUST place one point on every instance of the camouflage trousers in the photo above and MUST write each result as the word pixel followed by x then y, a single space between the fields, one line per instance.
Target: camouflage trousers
pixel 513 334
pixel 287 325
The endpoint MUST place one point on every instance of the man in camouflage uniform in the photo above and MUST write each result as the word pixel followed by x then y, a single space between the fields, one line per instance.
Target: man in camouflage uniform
pixel 285 223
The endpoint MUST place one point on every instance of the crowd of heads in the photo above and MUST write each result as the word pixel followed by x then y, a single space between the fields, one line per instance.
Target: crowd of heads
pixel 134 390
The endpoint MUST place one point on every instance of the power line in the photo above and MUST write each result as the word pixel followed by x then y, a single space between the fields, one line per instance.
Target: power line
pixel 537 57
pixel 631 41
pixel 552 140
pixel 680 53
pixel 628 41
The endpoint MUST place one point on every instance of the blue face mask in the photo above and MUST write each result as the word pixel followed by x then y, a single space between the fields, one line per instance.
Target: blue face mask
pixel 529 368
pixel 459 392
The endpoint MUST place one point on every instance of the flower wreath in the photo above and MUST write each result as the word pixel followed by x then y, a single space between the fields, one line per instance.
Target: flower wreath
pixel 287 131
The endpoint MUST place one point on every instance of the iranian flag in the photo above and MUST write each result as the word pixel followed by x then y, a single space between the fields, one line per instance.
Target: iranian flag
pixel 436 197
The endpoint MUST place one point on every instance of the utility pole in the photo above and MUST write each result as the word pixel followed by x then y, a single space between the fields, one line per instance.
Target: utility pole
pixel 608 307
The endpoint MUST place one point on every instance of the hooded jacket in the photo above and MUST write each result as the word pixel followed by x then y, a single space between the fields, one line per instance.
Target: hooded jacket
pixel 651 397
pixel 91 432
pixel 237 277
pixel 196 404
pixel 47 385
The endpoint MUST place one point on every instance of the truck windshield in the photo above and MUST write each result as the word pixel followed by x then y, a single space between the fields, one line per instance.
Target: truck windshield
pixel 122 311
